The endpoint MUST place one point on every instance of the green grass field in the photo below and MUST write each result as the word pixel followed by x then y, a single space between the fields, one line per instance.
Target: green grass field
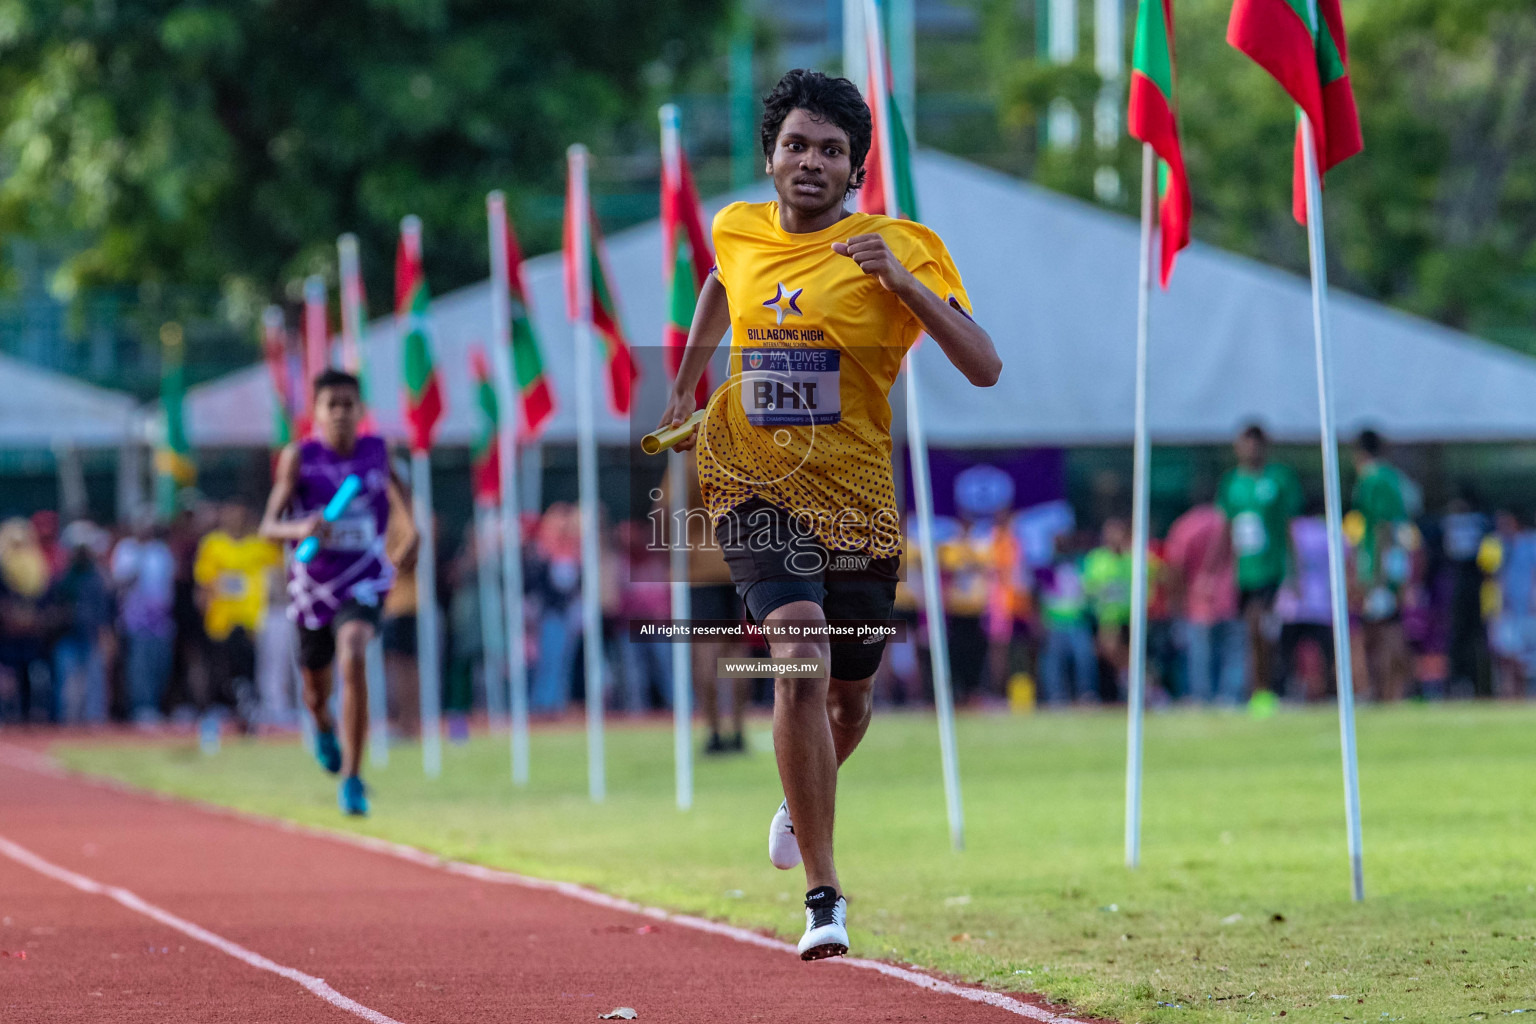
pixel 1240 910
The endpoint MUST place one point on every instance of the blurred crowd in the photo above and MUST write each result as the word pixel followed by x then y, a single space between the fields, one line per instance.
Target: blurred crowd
pixel 185 618
pixel 1239 597
pixel 159 621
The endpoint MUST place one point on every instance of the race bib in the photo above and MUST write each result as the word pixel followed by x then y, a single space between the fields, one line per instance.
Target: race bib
pixel 791 387
pixel 1248 534
pixel 352 532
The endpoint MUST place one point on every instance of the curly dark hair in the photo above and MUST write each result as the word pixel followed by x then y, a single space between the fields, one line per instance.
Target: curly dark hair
pixel 835 101
pixel 330 377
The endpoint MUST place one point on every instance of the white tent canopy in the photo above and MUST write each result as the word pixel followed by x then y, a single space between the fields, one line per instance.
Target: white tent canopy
pixel 1053 279
pixel 44 409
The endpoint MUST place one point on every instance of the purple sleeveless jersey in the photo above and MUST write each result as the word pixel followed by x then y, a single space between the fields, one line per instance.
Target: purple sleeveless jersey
pixel 351 564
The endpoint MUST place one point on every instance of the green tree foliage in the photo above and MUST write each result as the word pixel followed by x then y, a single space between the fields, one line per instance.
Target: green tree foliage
pixel 1438 215
pixel 224 146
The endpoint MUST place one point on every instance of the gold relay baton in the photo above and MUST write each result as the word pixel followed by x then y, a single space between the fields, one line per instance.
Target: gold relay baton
pixel 658 441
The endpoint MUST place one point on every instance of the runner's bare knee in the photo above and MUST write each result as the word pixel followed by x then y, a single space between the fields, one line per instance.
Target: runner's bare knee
pixel 352 642
pixel 796 614
pixel 800 691
pixel 317 688
pixel 850 702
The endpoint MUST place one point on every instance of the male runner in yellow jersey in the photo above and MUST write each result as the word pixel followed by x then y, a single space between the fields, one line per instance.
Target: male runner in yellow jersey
pixel 795 452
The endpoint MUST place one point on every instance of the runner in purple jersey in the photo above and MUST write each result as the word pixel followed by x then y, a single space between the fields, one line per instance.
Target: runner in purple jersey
pixel 350 570
pixel 338 594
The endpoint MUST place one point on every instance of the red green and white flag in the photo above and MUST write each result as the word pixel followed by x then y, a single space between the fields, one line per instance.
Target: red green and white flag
pixel 317 328
pixel 354 310
pixel 1154 119
pixel 686 256
pixel 423 392
pixel 173 457
pixel 536 398
pixel 484 451
pixel 316 344
pixel 274 349
pixel 1301 43
pixel 622 371
pixel 888 187
pixel 354 319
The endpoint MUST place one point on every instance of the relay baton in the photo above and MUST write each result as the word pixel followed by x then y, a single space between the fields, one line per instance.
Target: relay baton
pixel 658 441
pixel 309 546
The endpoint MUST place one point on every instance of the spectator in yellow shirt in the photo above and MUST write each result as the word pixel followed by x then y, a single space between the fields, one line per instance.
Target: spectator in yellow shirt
pixel 234 571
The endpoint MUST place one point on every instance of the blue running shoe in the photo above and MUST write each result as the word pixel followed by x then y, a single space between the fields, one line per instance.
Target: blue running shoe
pixel 353 797
pixel 328 751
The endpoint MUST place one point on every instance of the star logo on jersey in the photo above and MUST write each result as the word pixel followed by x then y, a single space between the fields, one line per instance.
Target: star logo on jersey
pixel 784 302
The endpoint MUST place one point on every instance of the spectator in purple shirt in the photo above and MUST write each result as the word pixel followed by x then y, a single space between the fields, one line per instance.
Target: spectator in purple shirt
pixel 144 571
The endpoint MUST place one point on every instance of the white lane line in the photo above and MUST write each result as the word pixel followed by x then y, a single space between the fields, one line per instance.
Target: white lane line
pixel 31 761
pixel 317 986
pixel 578 892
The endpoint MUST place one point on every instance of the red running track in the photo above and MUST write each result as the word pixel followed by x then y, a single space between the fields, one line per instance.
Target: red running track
pixel 130 907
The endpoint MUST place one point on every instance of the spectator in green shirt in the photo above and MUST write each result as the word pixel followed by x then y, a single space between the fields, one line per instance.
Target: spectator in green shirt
pixel 1381 568
pixel 1107 585
pixel 1068 663
pixel 1259 499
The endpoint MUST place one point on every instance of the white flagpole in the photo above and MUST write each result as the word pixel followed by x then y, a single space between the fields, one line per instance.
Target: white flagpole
pixel 429 668
pixel 677 471
pixel 488 579
pixel 855 47
pixel 682 653
pixel 378 704
pixel 938 638
pixel 351 300
pixel 1332 493
pixel 586 434
pixel 1140 512
pixel 922 487
pixel 317 334
pixel 511 510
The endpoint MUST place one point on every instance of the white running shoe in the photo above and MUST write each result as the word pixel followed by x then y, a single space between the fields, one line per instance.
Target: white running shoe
pixel 826 925
pixel 783 848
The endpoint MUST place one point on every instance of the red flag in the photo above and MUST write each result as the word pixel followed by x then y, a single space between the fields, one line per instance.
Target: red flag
pixel 1311 62
pixel 423 392
pixel 1153 118
pixel 681 209
pixel 536 398
pixel 888 188
pixel 622 372
pixel 274 348
pixel 484 451
pixel 316 343
pixel 686 256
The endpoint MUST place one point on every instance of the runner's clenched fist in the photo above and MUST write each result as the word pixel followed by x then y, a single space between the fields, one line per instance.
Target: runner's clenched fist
pixel 875 258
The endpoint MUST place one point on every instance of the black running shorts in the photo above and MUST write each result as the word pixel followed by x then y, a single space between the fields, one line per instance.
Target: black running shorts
pixel 774 561
pixel 317 647
pixel 717 601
